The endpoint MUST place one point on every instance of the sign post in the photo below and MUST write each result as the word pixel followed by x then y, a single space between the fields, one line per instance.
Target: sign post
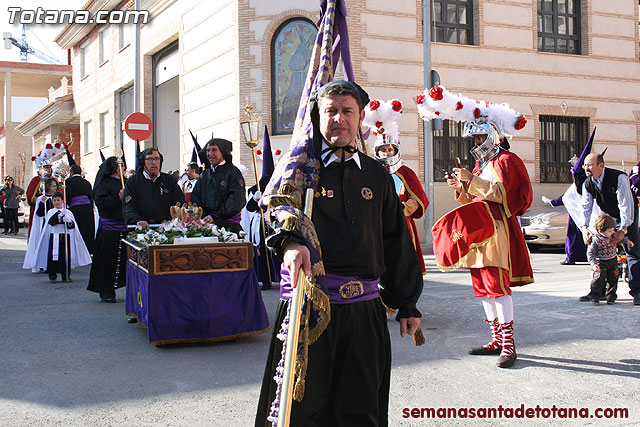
pixel 138 126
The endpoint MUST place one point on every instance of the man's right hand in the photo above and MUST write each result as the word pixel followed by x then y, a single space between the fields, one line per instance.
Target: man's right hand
pixel 295 256
pixel 143 224
pixel 454 183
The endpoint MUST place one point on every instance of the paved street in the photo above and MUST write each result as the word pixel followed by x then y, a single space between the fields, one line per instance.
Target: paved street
pixel 66 359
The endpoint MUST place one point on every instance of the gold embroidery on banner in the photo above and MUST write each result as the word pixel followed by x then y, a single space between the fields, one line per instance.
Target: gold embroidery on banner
pixel 139 300
pixel 351 290
pixel 456 235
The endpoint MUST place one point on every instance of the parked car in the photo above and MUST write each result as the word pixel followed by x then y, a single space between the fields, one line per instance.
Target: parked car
pixel 545 226
pixel 23 213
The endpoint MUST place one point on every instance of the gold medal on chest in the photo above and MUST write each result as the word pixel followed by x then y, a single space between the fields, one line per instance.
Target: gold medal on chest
pixel 366 193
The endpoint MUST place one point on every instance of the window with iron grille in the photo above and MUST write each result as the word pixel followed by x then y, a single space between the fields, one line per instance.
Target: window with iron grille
pixel 559 26
pixel 452 21
pixel 560 139
pixel 448 143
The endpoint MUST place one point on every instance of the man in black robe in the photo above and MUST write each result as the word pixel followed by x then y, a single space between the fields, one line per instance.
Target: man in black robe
pixel 365 242
pixel 78 194
pixel 109 273
pixel 149 193
pixel 220 188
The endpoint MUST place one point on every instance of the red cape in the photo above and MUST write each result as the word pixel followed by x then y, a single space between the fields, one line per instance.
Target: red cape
pixel 517 196
pixel 414 189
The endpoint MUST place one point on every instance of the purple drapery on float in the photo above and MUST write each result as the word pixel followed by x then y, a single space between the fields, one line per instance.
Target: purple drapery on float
pixel 197 306
pixel 297 171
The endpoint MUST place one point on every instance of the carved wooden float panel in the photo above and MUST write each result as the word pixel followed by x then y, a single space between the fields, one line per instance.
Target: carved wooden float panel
pixel 187 258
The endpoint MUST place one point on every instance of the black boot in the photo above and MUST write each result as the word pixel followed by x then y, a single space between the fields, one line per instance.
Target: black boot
pixel 492 347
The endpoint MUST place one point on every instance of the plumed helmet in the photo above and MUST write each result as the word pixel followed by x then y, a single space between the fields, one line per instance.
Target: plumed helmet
pixel 380 117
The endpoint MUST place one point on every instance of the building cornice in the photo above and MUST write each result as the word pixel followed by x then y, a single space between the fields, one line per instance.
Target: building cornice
pixel 58 112
pixel 73 34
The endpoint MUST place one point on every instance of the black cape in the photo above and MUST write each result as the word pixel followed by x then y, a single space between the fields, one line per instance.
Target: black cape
pixel 78 186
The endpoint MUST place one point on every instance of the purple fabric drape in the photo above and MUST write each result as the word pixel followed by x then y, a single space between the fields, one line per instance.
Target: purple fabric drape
pixel 195 306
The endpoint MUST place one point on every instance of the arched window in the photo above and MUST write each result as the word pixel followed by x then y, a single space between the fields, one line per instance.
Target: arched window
pixel 291 49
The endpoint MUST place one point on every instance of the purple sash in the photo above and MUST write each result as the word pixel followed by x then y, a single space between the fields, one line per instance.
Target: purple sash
pixel 111 224
pixel 79 200
pixel 233 220
pixel 341 289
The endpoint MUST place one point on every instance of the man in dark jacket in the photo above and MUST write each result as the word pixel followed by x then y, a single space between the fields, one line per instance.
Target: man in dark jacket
pixel 78 193
pixel 12 195
pixel 220 188
pixel 611 191
pixel 149 193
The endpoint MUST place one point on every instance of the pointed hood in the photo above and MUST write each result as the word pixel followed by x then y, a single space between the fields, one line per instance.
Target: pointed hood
pixel 195 155
pixel 70 158
pixel 579 175
pixel 577 168
pixel 268 164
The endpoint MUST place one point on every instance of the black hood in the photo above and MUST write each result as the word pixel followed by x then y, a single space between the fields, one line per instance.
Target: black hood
pixel 225 147
pixel 143 155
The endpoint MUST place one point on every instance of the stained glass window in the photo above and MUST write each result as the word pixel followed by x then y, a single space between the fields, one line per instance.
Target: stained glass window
pixel 291 50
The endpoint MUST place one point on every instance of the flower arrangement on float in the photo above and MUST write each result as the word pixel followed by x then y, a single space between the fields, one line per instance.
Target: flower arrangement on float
pixel 186 223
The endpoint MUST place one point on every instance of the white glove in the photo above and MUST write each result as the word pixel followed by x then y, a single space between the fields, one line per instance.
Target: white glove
pixel 67 219
pixel 257 195
pixel 545 199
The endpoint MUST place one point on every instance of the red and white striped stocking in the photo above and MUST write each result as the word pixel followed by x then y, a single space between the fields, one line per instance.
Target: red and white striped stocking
pixel 496 335
pixel 508 346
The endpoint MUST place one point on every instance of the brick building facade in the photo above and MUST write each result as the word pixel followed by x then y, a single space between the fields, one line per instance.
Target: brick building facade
pixel 497 50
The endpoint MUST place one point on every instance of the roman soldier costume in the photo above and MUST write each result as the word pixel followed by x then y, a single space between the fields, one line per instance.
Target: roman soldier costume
pixel 381 117
pixel 484 235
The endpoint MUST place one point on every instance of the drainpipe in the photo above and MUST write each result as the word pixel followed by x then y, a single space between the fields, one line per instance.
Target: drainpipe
pixel 428 148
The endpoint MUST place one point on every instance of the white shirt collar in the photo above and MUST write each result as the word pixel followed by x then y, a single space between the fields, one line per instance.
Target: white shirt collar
pixel 146 175
pixel 213 168
pixel 335 158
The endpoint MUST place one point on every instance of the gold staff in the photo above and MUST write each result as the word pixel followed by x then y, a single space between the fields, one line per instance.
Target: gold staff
pixel 119 155
pixel 291 352
pixel 250 122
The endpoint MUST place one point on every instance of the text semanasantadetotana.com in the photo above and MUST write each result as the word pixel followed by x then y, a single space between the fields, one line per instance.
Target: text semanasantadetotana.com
pixel 521 411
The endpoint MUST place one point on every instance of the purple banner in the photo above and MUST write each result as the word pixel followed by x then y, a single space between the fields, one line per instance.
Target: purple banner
pixel 79 200
pixel 197 306
pixel 341 289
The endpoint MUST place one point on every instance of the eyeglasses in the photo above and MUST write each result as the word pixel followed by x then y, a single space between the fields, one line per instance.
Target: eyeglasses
pixel 152 159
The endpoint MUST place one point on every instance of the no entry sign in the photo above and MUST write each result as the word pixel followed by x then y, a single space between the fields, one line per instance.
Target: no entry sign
pixel 138 126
